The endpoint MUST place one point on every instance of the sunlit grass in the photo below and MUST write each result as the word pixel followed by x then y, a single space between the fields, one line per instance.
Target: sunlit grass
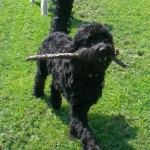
pixel 120 119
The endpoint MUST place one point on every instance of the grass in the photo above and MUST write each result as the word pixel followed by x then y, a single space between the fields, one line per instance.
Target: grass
pixel 120 119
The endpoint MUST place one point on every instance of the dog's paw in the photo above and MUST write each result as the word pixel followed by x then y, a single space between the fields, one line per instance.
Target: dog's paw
pixel 38 94
pixel 56 105
pixel 73 133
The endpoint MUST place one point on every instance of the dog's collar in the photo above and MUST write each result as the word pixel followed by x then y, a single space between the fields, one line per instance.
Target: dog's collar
pixel 91 75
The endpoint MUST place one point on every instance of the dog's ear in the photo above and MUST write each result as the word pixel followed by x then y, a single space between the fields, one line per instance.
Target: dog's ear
pixel 89 31
pixel 70 47
pixel 81 36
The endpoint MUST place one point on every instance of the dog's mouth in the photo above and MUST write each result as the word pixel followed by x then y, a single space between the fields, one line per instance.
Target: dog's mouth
pixel 106 51
pixel 100 52
pixel 96 57
pixel 99 56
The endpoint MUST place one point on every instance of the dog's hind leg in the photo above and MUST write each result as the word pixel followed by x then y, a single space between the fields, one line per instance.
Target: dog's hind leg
pixel 40 77
pixel 56 98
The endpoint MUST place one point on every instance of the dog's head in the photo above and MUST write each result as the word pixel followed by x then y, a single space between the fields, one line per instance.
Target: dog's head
pixel 95 45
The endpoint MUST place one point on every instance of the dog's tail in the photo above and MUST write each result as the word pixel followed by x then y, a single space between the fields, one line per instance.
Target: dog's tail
pixel 62 14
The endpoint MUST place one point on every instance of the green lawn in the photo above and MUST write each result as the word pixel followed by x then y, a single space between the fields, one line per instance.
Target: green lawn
pixel 120 119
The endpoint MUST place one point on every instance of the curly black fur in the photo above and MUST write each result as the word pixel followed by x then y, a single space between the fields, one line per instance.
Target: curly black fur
pixel 79 80
pixel 62 14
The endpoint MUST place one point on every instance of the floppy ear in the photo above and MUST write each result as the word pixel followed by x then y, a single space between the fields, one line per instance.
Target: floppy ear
pixel 79 41
pixel 82 36
pixel 88 31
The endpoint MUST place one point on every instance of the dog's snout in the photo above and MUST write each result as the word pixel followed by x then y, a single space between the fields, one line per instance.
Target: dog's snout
pixel 106 51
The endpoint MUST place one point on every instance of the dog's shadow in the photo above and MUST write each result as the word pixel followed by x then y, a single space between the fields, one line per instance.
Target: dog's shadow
pixel 75 23
pixel 111 132
pixel 50 10
pixel 38 4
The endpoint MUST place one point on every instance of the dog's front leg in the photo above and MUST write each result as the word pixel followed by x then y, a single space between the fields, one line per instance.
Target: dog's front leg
pixel 56 98
pixel 40 77
pixel 79 128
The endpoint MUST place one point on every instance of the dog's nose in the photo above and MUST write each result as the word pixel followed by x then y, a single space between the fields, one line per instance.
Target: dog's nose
pixel 103 52
pixel 106 51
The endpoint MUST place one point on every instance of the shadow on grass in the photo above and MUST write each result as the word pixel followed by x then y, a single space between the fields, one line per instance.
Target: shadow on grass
pixel 38 3
pixel 63 113
pixel 112 132
pixel 75 23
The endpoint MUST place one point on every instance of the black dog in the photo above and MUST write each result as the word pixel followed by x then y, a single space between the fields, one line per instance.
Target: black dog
pixel 79 80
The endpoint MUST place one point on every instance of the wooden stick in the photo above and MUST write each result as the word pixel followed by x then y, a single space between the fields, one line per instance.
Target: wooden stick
pixel 119 62
pixel 67 56
pixel 54 56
